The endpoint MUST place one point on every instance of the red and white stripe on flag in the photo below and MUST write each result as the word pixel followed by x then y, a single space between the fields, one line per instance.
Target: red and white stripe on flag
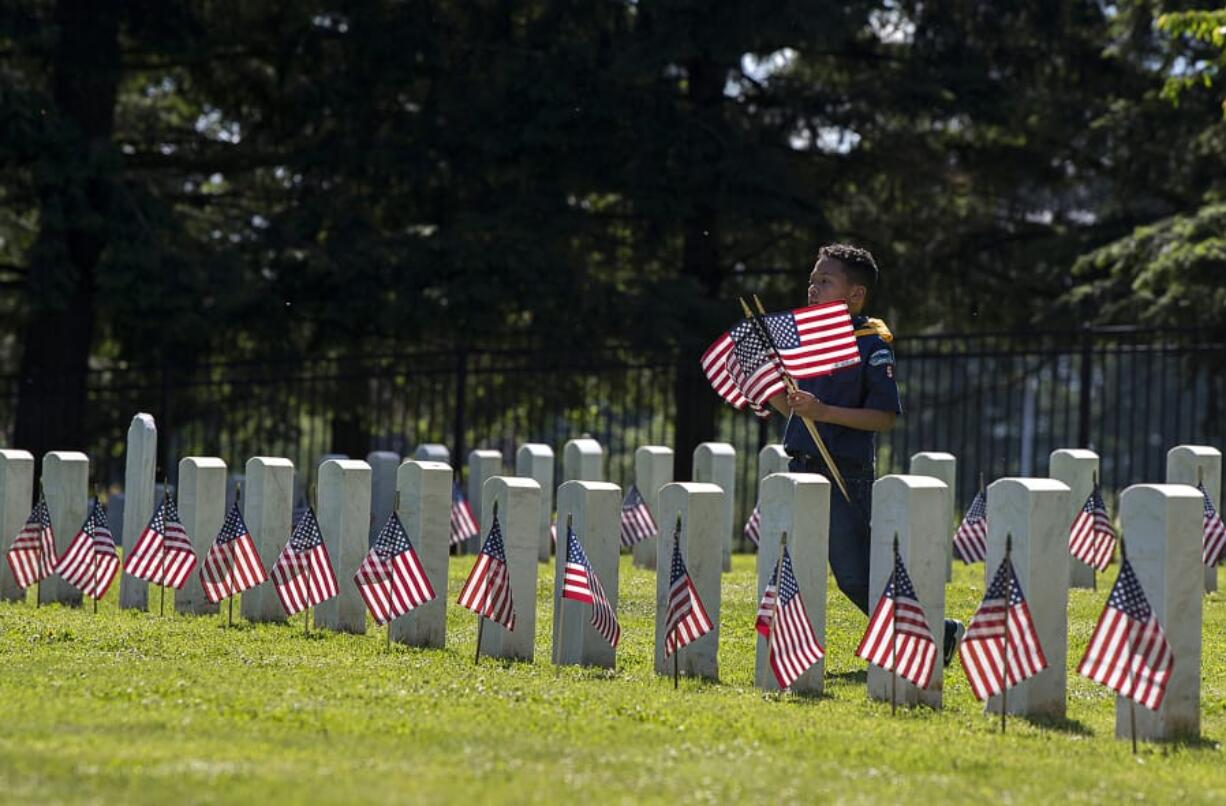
pixel 1128 651
pixel 89 563
pixel 581 584
pixel 1002 615
pixel 827 339
pixel 753 526
pixel 1214 543
pixel 32 555
pixel 231 568
pixel 394 587
pixel 163 553
pixel 1092 537
pixel 792 645
pixel 971 538
pixel 687 618
pixel 913 655
pixel 304 578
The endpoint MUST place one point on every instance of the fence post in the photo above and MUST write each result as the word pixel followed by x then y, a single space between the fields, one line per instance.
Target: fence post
pixel 1087 379
pixel 461 385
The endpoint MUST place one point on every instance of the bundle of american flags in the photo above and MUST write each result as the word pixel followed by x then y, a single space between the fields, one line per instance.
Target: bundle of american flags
pixel 90 561
pixel 686 619
pixel 971 538
pixel 1128 651
pixel 782 619
pixel 303 572
pixel 898 637
pixel 163 553
pixel 233 563
pixel 753 526
pixel 487 591
pixel 463 522
pixel 745 370
pixel 1214 546
pixel 637 524
pixel 391 580
pixel 582 585
pixel 32 555
pixel 1001 647
pixel 1092 537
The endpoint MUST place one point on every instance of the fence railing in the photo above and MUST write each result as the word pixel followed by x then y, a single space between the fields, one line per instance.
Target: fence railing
pixel 999 402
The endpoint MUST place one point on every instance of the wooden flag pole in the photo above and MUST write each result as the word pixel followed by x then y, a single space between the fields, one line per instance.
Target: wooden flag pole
pixel 557 660
pixel 790 384
pixel 481 615
pixel 770 642
pixel 1132 682
pixel 1004 680
pixel 676 649
pixel 238 494
pixel 1094 570
pixel 94 555
pixel 894 636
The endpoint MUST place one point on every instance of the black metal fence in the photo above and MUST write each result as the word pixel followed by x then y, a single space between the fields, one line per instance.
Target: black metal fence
pixel 999 402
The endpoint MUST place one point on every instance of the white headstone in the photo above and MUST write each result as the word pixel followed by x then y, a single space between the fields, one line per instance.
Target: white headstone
pixel 595 507
pixel 582 459
pixel 943 467
pixel 701 507
pixel 1162 528
pixel 482 466
pixel 16 500
pixel 1076 468
pixel 715 463
pixel 799 504
pixel 268 509
pixel 1033 511
pixel 519 503
pixel 139 501
pixel 1188 464
pixel 66 483
pixel 383 467
pixel 425 512
pixel 535 461
pixel 772 459
pixel 432 452
pixel 202 507
pixel 344 519
pixel 916 509
pixel 653 468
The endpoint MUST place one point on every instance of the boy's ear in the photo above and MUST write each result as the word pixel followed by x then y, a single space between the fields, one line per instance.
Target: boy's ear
pixel 859 294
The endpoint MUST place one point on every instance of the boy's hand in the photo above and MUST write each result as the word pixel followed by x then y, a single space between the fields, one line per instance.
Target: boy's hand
pixel 806 405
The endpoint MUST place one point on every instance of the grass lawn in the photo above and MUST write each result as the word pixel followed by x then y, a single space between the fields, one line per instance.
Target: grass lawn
pixel 134 707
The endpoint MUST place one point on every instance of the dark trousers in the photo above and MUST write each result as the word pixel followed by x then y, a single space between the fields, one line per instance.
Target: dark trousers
pixel 850 534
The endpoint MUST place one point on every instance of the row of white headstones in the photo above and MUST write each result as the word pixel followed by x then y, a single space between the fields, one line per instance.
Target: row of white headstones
pixel 1162 524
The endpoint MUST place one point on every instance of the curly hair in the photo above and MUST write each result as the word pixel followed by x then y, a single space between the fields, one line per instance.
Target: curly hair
pixel 858 263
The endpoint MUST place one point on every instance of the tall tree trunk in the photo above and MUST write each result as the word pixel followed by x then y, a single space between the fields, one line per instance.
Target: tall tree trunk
pixel 76 181
pixel 696 403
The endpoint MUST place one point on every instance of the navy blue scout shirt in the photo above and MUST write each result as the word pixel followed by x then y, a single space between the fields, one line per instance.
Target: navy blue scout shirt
pixel 868 385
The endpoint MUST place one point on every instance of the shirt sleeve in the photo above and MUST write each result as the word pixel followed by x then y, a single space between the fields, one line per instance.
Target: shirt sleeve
pixel 879 381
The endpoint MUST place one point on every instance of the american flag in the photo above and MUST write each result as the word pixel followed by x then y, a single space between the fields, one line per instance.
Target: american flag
pixel 812 341
pixel 391 579
pixel 303 572
pixel 1092 538
pixel 463 522
pixel 687 619
pixel 753 526
pixel 232 564
pixel 1128 651
pixel 32 555
pixel 163 553
pixel 784 622
pixel 637 523
pixel 983 647
pixel 487 591
pixel 1215 532
pixel 916 649
pixel 582 585
pixel 90 561
pixel 971 538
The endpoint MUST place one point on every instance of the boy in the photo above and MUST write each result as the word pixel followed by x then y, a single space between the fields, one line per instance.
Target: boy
pixel 849 408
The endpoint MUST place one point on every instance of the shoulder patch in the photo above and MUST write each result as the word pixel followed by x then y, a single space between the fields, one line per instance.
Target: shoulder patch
pixel 882 356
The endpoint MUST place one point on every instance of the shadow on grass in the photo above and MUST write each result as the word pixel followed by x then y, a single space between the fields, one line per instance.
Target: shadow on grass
pixel 858 676
pixel 1060 724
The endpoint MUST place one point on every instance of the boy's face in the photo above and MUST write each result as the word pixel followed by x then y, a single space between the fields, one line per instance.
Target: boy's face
pixel 829 283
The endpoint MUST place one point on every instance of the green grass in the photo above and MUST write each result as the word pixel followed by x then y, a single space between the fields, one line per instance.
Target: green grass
pixel 131 706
